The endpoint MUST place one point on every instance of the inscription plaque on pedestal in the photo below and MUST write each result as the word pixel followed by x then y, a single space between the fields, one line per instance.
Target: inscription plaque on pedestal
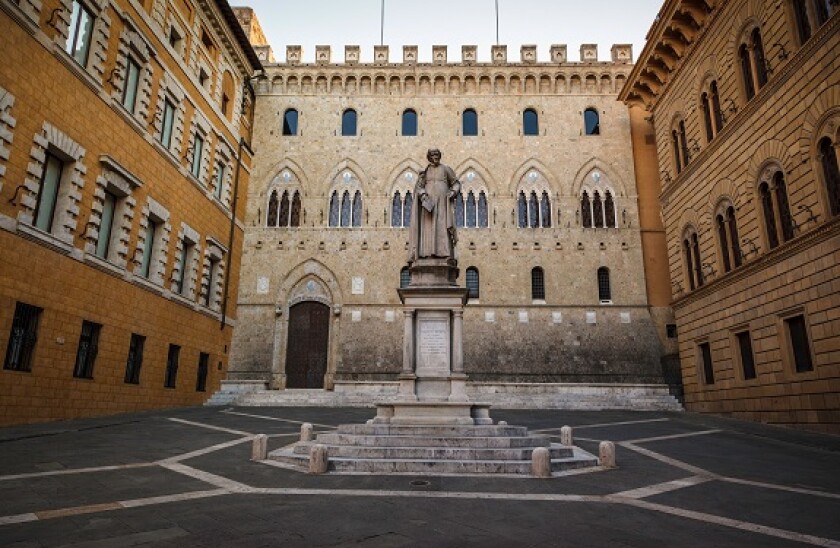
pixel 433 347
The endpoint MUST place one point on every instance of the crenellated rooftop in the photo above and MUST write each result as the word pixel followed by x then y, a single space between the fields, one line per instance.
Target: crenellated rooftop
pixel 619 54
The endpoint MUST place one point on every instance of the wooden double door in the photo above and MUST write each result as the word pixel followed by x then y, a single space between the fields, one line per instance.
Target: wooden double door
pixel 307 347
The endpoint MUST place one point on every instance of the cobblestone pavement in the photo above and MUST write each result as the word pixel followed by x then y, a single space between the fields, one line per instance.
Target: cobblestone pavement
pixel 184 478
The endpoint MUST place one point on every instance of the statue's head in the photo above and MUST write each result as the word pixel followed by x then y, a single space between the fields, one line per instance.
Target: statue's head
pixel 434 155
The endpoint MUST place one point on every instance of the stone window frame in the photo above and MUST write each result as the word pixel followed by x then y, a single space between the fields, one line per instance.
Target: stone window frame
pixel 403 116
pixel 133 44
pixel 213 258
pixel 477 185
pixel 186 234
pixel 701 366
pixel 735 353
pixel 285 181
pixel 170 89
pixel 402 185
pixel 52 139
pixel 98 53
pixel 602 188
pixel 607 285
pixel 200 125
pixel 339 185
pixel 224 155
pixel 712 120
pixel 767 176
pixel 786 345
pixel 539 185
pixel 692 258
pixel 813 23
pixel 7 128
pixel 117 180
pixel 160 249
pixel 597 129
pixel 746 39
pixel 731 246
pixel 678 137
pixel 828 129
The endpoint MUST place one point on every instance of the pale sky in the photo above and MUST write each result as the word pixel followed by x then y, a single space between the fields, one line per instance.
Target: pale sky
pixel 454 23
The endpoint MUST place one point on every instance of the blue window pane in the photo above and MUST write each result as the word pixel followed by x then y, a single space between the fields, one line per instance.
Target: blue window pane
pixel 409 123
pixel 345 209
pixel 530 122
pixel 348 123
pixel 469 123
pixel 334 209
pixel 357 209
pixel 459 210
pixel 545 210
pixel 533 211
pixel 409 201
pixel 470 210
pixel 482 210
pixel 522 209
pixel 591 122
pixel 290 122
pixel 396 210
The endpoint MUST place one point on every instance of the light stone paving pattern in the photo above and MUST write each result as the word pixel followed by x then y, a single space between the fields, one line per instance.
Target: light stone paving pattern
pixel 220 486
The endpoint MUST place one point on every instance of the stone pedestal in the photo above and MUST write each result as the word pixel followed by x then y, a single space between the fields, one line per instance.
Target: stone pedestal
pixel 433 382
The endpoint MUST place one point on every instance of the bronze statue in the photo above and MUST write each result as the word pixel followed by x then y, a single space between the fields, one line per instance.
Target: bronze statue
pixel 433 219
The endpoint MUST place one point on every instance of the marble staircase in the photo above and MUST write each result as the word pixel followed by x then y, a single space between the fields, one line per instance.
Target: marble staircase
pixel 433 449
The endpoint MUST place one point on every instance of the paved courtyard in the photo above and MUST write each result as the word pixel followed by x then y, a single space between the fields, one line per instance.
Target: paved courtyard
pixel 184 478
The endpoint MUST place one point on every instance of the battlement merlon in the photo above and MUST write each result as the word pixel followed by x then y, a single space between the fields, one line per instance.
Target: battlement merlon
pixel 619 54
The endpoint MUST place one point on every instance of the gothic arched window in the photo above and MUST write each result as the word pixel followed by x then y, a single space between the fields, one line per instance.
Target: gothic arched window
pixel 533 211
pixel 604 290
pixel 591 122
pixel 348 123
pixel 472 282
pixel 409 123
pixel 294 219
pixel 284 210
pixel 746 71
pixel 530 122
pixel 470 210
pixel 482 210
pixel 459 210
pixel 408 204
pixel 271 217
pixel 334 209
pixel 522 210
pixel 357 209
pixel 545 210
pixel 585 211
pixel 345 209
pixel 469 123
pixel 831 175
pixel 597 210
pixel 769 215
pixel 396 210
pixel 609 210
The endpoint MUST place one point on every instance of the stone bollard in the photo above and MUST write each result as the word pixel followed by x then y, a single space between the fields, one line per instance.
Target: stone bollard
pixel 259 449
pixel 606 454
pixel 318 459
pixel 306 432
pixel 541 463
pixel 566 436
pixel 502 423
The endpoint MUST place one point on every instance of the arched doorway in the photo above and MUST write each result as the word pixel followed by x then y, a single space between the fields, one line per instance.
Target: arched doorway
pixel 307 346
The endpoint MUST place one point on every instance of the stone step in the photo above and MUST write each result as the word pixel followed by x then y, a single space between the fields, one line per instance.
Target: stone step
pixel 433 430
pixel 430 466
pixel 435 453
pixel 478 442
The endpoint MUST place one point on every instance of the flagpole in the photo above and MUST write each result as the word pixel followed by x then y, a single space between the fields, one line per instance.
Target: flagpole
pixel 382 25
pixel 497 21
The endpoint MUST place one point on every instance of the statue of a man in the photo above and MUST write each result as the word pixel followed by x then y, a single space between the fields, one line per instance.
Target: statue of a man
pixel 433 219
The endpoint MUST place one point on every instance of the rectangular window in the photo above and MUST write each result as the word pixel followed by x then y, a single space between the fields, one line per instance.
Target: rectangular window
pixel 220 180
pixel 172 366
pixel 186 252
pixel 198 147
pixel 132 80
pixel 537 284
pixel 747 360
pixel 22 337
pixel 48 195
pixel 801 347
pixel 135 359
pixel 103 244
pixel 168 120
pixel 149 248
pixel 79 33
pixel 88 348
pixel 211 281
pixel 708 369
pixel 203 366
